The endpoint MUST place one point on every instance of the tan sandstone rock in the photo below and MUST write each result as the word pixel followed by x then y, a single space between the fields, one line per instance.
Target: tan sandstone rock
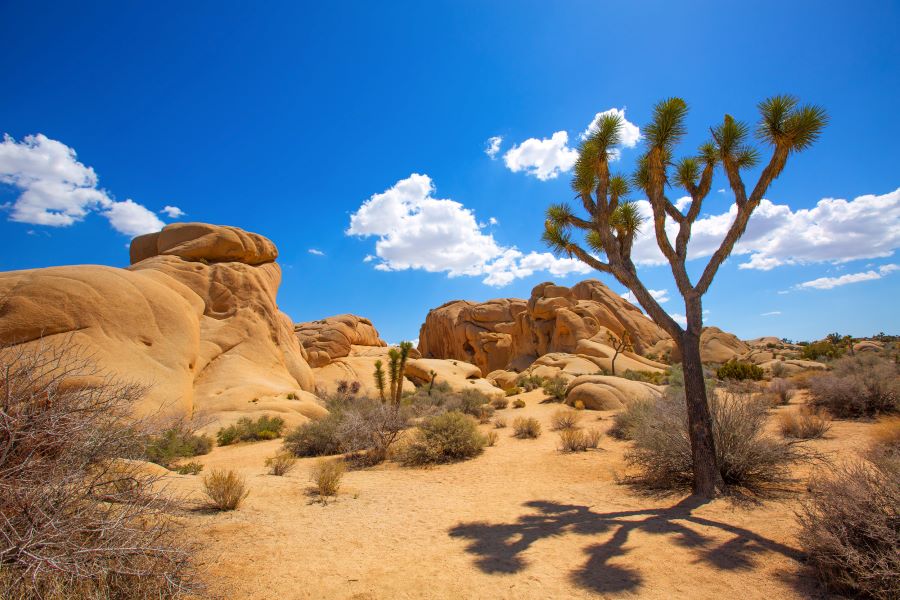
pixel 333 337
pixel 601 392
pixel 195 318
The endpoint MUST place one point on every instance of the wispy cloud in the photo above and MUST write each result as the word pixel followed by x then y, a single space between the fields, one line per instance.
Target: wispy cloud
pixel 827 283
pixel 316 252
pixel 492 147
pixel 658 295
pixel 173 212
pixel 771 313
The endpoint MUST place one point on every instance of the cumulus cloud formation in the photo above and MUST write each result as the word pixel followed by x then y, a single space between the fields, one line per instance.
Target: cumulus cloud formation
pixel 545 158
pixel 548 157
pixel 173 212
pixel 414 230
pixel 493 146
pixel 58 191
pixel 826 283
pixel 658 295
pixel 834 230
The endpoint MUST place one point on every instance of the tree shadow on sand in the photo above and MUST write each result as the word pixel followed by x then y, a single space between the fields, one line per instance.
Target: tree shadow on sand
pixel 499 547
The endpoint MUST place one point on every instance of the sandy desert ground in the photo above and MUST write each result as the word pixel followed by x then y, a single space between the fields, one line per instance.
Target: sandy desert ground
pixel 521 521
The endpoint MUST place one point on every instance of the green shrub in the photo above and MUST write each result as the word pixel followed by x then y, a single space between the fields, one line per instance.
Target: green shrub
pixel 447 437
pixel 626 422
pixel 315 438
pixel 512 391
pixel 864 385
pixel 529 382
pixel 189 468
pixel 526 427
pixel 174 444
pixel 519 403
pixel 248 430
pixel 555 388
pixel 740 371
pixel 823 349
pixel 656 378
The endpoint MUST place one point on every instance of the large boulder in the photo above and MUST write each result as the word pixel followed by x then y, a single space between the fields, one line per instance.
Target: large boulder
pixel 195 318
pixel 601 392
pixel 330 338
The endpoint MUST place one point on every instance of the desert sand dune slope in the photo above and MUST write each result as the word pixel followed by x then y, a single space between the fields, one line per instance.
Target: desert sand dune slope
pixel 194 317
pixel 520 521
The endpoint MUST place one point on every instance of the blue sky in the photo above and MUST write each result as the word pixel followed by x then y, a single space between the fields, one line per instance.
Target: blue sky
pixel 284 119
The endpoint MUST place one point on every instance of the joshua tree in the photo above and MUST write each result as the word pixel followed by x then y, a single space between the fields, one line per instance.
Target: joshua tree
pixel 397 369
pixel 431 383
pixel 618 345
pixel 379 379
pixel 612 222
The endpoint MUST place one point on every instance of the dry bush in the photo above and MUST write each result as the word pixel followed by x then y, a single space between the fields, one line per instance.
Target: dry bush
pixel 565 418
pixel 885 448
pixel 749 461
pixel 485 413
pixel 188 468
pixel 850 530
pixel 781 391
pixel 226 490
pixel 555 388
pixel 326 475
pixel 248 430
pixel 315 438
pixel 490 438
pixel 526 427
pixel 803 424
pixel 281 464
pixel 864 385
pixel 444 438
pixel 370 428
pixel 579 405
pixel 499 423
pixel 625 422
pixel 76 520
pixel 500 403
pixel 578 440
pixel 519 403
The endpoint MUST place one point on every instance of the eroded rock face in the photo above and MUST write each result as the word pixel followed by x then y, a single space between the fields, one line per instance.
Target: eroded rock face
pixel 194 317
pixel 510 333
pixel 333 337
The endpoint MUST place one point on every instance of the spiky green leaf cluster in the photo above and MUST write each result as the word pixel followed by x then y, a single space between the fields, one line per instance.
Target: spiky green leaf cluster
pixel 782 122
pixel 667 126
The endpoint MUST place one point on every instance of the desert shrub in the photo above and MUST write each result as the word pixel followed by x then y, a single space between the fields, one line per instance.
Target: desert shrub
pixel 519 403
pixel 485 412
pixel 444 438
pixel 748 460
pixel 850 530
pixel 499 423
pixel 175 443
pixel 526 427
pixel 885 448
pixel 740 371
pixel 490 438
pixel 578 440
pixel 781 391
pixel 579 405
pixel 444 399
pixel 226 490
pixel 326 476
pixel 804 424
pixel 529 382
pixel 315 438
pixel 370 428
pixel 565 418
pixel 656 378
pixel 626 422
pixel 248 430
pixel 512 391
pixel 675 376
pixel 555 388
pixel 778 368
pixel 500 403
pixel 864 385
pixel 189 468
pixel 75 519
pixel 281 464
pixel 823 349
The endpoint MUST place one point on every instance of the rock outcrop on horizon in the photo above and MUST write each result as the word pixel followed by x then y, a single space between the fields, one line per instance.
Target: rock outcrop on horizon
pixel 194 317
pixel 511 333
pixel 333 337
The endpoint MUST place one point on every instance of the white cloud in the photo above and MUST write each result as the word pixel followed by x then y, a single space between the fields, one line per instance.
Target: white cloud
pixel 417 231
pixel 629 133
pixel 834 231
pixel 493 146
pixel 58 191
pixel 826 283
pixel 771 313
pixel 369 258
pixel 658 295
pixel 679 318
pixel 173 212
pixel 493 221
pixel 316 252
pixel 545 158
pixel 131 218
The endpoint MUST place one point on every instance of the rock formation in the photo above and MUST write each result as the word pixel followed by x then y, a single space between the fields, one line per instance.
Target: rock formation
pixel 194 317
pixel 510 334
pixel 333 337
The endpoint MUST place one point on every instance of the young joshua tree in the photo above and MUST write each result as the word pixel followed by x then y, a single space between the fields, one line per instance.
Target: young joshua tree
pixel 612 222
pixel 618 345
pixel 379 379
